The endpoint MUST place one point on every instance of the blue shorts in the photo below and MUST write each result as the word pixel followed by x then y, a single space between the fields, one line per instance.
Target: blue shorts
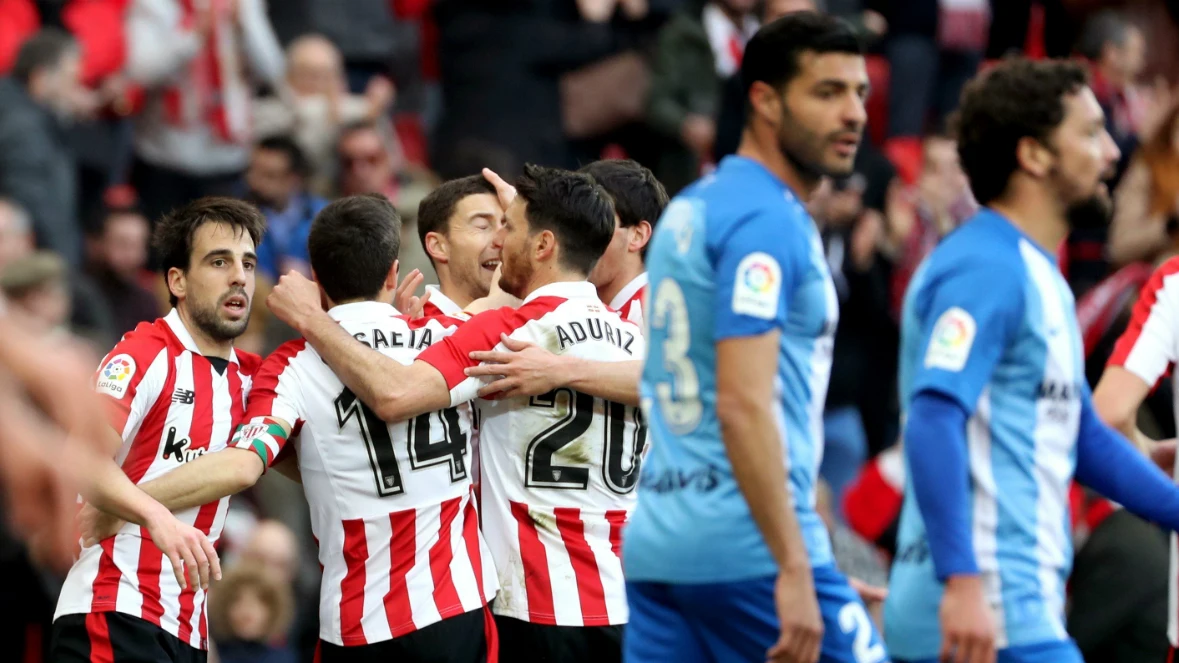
pixel 1060 651
pixel 737 621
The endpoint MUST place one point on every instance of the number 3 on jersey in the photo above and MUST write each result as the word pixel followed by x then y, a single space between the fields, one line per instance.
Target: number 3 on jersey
pixel 422 451
pixel 679 400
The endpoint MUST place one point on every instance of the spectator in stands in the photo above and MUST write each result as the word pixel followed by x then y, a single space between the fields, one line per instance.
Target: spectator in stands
pixel 924 213
pixel 193 137
pixel 313 103
pixel 274 547
pixel 933 47
pixel 277 180
pixel 249 611
pixel 698 51
pixel 118 258
pixel 35 287
pixel 37 169
pixel 1116 51
pixel 372 162
pixel 16 232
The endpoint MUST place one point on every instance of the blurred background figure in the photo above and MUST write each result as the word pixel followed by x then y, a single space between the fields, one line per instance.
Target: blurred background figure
pixel 277 184
pixel 1116 51
pixel 313 103
pixel 35 287
pixel 249 613
pixel 118 251
pixel 37 169
pixel 196 63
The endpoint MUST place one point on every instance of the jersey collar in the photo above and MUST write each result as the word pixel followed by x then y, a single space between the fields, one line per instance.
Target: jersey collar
pixel 362 311
pixel 444 303
pixel 627 293
pixel 176 326
pixel 565 290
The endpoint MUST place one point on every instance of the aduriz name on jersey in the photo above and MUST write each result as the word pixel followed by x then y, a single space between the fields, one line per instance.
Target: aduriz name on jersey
pixel 417 339
pixel 575 332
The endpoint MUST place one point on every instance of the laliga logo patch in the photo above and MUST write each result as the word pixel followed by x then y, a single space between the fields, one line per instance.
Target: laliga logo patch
pixel 115 376
pixel 758 286
pixel 952 338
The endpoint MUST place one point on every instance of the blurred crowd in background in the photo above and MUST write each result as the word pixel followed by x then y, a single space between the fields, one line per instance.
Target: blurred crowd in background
pixel 112 112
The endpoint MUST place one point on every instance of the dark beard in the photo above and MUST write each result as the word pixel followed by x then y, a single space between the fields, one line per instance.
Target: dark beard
pixel 1092 212
pixel 809 166
pixel 214 327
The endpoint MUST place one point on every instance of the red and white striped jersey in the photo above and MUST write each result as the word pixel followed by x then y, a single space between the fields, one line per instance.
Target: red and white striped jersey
pixel 440 304
pixel 391 504
pixel 629 301
pixel 170 404
pixel 559 470
pixel 1149 348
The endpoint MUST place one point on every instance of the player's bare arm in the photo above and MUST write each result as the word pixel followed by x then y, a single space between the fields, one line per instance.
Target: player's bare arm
pixel 526 369
pixel 744 386
pixel 393 390
pixel 1117 398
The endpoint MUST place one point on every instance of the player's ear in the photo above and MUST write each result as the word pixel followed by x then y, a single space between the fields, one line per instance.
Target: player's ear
pixel 765 101
pixel 546 245
pixel 392 277
pixel 177 283
pixel 436 247
pixel 1034 157
pixel 640 234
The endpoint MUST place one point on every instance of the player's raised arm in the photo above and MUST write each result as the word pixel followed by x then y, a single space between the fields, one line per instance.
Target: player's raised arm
pixel 393 390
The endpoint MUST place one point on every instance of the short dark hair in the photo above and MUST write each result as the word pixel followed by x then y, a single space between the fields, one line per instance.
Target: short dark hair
pixel 435 209
pixel 575 208
pixel 353 244
pixel 772 55
pixel 296 159
pixel 46 49
pixel 637 194
pixel 173 235
pixel 1105 27
pixel 1016 99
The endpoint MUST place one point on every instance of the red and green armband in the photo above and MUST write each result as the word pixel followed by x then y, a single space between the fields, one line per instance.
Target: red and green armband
pixel 262 435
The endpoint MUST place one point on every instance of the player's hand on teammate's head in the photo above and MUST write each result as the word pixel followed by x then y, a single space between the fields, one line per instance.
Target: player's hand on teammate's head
pixel 968 627
pixel 801 637
pixel 504 191
pixel 522 369
pixel 96 526
pixel 194 561
pixel 294 299
pixel 407 303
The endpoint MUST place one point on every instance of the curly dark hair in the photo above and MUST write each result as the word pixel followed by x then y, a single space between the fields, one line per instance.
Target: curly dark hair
pixel 1016 99
pixel 174 233
pixel 574 207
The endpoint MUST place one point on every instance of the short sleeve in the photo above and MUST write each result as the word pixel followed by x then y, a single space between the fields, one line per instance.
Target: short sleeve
pixel 130 380
pixel 968 314
pixel 276 395
pixel 757 268
pixel 1147 347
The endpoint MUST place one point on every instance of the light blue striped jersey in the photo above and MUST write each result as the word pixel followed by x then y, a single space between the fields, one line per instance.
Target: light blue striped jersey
pixel 734 255
pixel 990 322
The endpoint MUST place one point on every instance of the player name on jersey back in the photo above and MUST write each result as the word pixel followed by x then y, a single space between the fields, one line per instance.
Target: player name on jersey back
pixel 559 469
pixel 391 504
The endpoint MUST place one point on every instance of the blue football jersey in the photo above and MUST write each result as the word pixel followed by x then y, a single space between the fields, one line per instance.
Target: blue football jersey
pixel 990 322
pixel 734 255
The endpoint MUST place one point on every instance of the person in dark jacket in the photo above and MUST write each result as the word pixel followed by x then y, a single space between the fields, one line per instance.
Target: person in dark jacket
pixel 37 169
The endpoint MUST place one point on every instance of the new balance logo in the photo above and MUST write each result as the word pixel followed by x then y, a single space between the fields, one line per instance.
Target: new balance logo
pixel 183 396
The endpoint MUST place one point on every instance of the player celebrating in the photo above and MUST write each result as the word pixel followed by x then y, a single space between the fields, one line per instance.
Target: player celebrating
pixel 175 389
pixel 457 224
pixel 741 317
pixel 559 470
pixel 405 572
pixel 999 419
pixel 523 369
